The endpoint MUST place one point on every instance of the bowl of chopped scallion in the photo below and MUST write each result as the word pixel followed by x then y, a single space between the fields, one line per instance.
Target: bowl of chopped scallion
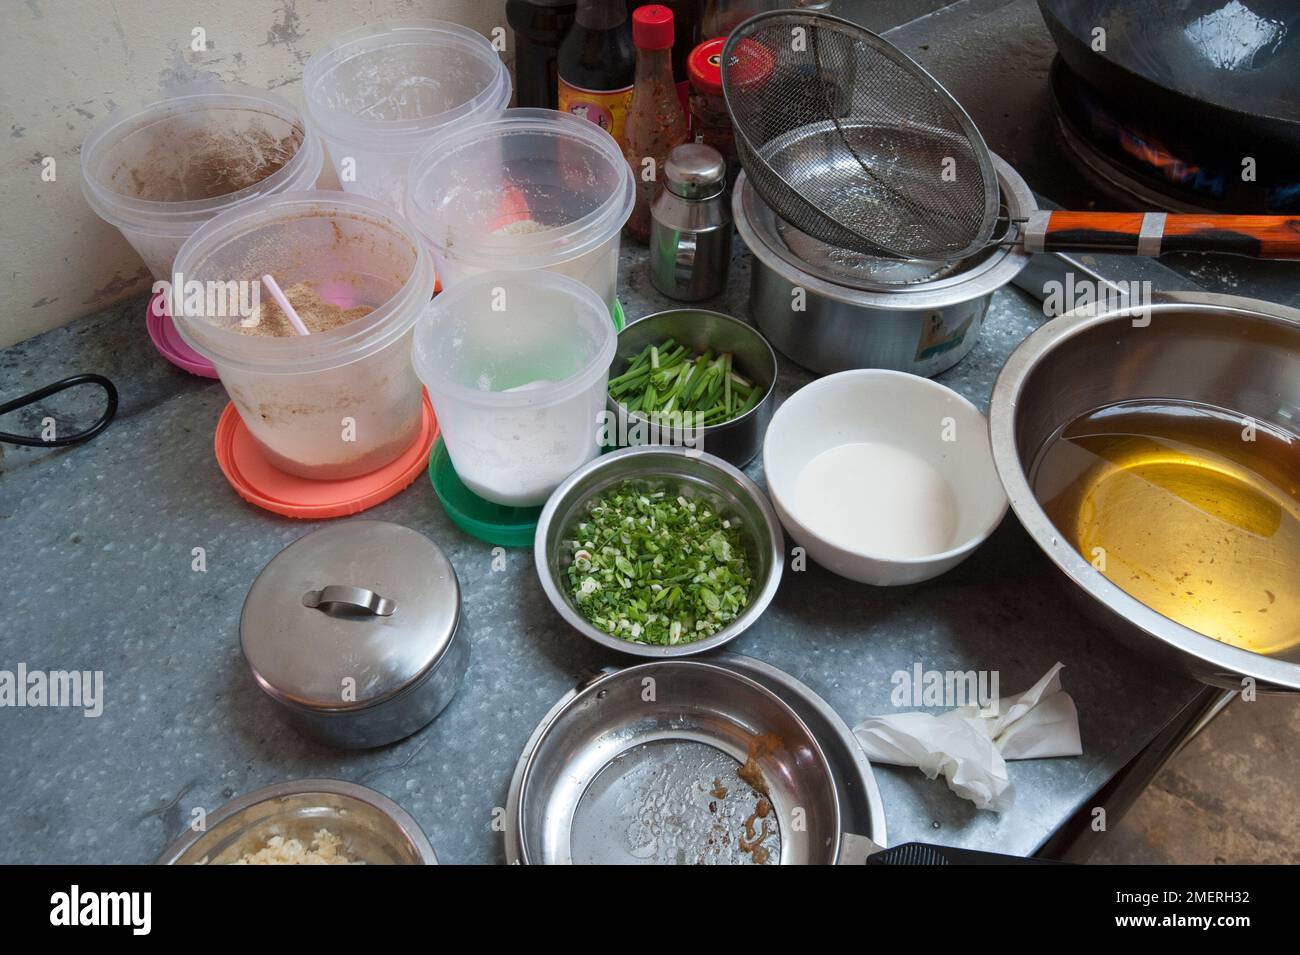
pixel 692 378
pixel 659 551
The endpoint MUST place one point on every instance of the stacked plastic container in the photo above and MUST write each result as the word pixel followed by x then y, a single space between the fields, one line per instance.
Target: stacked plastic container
pixel 516 364
pixel 531 189
pixel 159 173
pixel 379 94
pixel 520 210
pixel 335 404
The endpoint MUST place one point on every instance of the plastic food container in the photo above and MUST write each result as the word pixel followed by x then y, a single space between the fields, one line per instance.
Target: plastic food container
pixel 532 189
pixel 334 404
pixel 380 93
pixel 517 365
pixel 161 172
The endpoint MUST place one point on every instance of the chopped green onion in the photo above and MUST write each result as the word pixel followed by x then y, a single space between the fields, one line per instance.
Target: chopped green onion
pixel 655 566
pixel 666 379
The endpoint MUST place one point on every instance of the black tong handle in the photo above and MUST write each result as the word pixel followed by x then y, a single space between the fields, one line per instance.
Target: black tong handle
pixel 919 853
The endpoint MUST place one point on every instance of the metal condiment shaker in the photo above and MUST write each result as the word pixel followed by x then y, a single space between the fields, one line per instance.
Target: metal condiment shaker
pixel 690 231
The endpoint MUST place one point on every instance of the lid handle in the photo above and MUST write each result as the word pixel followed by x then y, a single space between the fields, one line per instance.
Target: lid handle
pixel 349 600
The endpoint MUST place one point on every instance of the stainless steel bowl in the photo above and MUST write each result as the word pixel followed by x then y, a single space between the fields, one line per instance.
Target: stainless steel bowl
pixel 374 829
pixel 1236 353
pixel 736 441
pixel 832 310
pixel 699 475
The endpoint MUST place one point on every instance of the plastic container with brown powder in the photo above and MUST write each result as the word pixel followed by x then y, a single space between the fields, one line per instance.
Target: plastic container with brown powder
pixel 159 173
pixel 344 400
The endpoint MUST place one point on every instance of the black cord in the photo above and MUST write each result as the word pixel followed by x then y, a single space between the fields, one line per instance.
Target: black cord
pixel 110 392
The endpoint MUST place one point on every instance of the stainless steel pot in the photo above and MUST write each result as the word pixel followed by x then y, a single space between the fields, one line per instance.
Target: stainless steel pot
pixel 354 632
pixel 831 310
pixel 699 476
pixel 374 829
pixel 736 441
pixel 1235 353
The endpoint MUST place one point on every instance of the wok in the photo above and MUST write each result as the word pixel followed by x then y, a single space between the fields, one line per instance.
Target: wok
pixel 1223 71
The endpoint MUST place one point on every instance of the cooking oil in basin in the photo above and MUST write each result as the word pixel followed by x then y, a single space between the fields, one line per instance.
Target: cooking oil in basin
pixel 1191 509
pixel 674 802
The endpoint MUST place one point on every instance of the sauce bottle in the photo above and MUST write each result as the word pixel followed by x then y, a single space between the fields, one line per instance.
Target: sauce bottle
pixel 656 122
pixel 540 26
pixel 596 65
pixel 686 15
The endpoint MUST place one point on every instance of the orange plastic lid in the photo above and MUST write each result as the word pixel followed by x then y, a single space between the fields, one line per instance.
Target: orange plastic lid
pixel 258 482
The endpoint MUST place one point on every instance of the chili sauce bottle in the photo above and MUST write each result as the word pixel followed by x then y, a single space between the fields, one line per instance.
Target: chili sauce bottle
pixel 686 28
pixel 656 122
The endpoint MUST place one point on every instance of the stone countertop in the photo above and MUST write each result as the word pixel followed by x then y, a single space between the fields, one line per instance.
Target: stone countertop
pixel 96 542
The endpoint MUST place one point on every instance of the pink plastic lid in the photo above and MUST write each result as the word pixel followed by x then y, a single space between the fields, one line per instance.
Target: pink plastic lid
pixel 168 341
pixel 258 482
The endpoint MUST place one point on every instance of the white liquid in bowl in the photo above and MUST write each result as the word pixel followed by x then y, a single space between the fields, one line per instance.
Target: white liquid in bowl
pixel 876 498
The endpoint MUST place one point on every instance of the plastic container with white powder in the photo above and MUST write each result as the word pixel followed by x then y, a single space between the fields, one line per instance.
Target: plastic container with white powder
pixel 517 367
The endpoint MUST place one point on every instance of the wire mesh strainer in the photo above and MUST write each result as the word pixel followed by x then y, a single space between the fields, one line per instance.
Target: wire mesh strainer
pixel 854 143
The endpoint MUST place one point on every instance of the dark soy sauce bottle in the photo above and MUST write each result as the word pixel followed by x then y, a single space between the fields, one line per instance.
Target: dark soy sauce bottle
pixel 540 26
pixel 597 65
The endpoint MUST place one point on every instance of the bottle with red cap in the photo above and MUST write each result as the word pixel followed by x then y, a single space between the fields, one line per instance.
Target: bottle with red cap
pixel 656 122
pixel 686 24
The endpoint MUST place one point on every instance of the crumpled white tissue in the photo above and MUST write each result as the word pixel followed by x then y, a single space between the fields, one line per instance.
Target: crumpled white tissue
pixel 970 747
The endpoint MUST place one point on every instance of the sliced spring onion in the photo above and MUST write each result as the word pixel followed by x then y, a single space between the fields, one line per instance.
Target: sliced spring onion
pixel 666 378
pixel 653 566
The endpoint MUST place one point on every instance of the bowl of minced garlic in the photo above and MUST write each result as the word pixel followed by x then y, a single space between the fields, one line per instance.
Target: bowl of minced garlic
pixel 325 848
pixel 307 822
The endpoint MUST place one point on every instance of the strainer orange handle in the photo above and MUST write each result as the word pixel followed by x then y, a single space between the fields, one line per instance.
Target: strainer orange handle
pixel 1155 233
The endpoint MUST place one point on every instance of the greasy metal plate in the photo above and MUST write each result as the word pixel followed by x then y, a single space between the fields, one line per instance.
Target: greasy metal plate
pixel 611 821
pixel 640 732
pixel 672 802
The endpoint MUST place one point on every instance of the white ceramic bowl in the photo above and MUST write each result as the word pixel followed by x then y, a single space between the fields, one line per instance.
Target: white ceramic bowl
pixel 899 531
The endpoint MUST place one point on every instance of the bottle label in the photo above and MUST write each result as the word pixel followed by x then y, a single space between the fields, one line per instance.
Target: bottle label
pixel 606 108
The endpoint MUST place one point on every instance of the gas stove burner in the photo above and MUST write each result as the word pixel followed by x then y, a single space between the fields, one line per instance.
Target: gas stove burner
pixel 1155 168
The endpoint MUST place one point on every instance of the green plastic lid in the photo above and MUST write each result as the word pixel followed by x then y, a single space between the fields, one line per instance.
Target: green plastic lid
pixel 493 523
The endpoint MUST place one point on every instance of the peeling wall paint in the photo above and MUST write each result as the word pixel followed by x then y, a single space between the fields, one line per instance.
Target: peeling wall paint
pixel 64 64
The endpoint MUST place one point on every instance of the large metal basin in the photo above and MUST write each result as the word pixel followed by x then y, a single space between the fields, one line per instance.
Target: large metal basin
pixel 1236 353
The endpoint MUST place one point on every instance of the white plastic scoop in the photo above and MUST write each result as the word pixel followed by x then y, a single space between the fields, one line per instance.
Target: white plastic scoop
pixel 273 287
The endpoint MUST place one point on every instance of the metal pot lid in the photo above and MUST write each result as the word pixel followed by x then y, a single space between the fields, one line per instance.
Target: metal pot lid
pixel 349 616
